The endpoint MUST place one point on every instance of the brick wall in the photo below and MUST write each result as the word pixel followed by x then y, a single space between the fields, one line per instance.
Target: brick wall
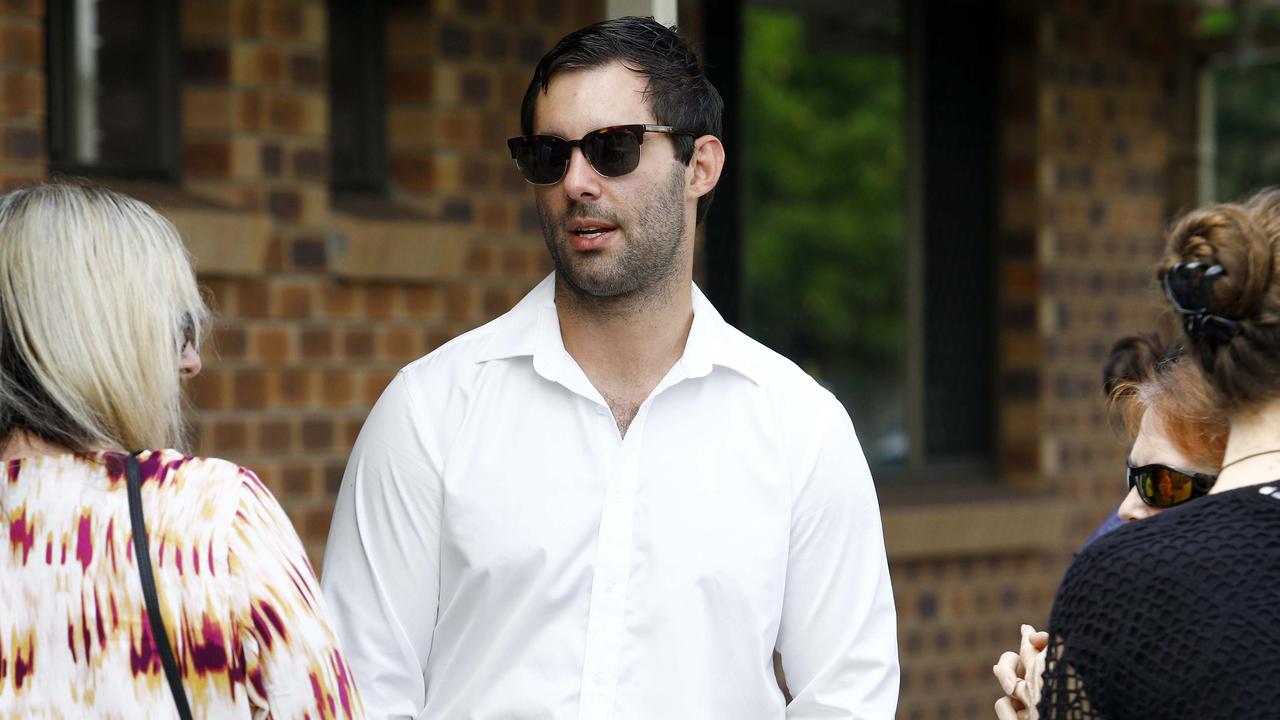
pixel 1091 112
pixel 22 96
pixel 303 348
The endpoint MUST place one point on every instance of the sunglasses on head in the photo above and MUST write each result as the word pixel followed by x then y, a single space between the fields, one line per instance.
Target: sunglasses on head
pixel 611 151
pixel 1163 486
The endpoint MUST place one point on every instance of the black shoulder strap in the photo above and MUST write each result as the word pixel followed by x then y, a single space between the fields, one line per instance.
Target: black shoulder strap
pixel 142 555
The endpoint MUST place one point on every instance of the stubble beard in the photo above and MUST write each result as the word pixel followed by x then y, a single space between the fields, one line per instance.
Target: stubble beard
pixel 641 271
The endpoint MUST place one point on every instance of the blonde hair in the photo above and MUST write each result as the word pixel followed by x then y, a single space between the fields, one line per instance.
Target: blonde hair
pixel 97 299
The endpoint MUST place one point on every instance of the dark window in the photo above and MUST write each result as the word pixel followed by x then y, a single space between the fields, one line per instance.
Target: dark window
pixel 867 213
pixel 113 107
pixel 358 97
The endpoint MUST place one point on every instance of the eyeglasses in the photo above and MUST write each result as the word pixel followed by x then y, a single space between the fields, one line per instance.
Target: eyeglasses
pixel 611 151
pixel 187 333
pixel 1163 486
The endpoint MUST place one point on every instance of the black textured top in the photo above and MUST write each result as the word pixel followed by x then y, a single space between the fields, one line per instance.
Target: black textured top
pixel 1176 616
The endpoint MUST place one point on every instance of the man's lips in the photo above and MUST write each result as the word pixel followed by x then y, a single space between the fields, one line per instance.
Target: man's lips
pixel 586 234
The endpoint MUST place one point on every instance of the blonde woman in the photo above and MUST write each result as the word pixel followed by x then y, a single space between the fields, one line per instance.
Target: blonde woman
pixel 99 319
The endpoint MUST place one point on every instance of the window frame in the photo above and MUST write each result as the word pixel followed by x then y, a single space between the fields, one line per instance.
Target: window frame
pixel 63 112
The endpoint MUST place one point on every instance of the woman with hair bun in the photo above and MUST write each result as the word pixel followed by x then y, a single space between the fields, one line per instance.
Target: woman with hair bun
pixel 137 581
pixel 1178 616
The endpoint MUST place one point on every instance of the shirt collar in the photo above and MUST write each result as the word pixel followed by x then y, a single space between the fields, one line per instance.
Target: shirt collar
pixel 532 329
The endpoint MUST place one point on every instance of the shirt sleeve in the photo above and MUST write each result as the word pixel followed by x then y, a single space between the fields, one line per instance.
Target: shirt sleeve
pixel 293 667
pixel 382 560
pixel 838 636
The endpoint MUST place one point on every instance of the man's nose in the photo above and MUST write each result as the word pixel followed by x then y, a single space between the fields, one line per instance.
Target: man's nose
pixel 581 181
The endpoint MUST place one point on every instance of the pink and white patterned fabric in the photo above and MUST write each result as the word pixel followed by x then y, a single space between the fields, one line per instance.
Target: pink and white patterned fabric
pixel 240 600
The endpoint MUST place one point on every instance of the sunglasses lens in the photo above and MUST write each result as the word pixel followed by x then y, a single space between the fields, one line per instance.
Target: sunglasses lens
pixel 612 152
pixel 542 160
pixel 1162 487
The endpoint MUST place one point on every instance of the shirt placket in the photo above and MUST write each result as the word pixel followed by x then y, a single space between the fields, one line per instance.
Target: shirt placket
pixel 606 618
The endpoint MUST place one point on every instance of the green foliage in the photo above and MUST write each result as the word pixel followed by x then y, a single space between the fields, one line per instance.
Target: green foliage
pixel 824 213
pixel 1247 129
pixel 1218 21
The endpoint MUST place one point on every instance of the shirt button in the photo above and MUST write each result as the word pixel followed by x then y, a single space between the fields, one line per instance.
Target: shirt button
pixel 610 586
pixel 599 678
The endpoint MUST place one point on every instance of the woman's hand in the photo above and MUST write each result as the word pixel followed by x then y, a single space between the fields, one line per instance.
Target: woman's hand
pixel 1019 677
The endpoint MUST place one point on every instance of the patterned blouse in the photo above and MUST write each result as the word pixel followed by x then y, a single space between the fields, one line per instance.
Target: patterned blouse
pixel 240 601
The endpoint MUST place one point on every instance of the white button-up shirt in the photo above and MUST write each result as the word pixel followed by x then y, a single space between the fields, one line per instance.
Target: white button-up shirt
pixel 499 550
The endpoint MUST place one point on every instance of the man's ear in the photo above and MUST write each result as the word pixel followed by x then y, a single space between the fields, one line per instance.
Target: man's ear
pixel 706 164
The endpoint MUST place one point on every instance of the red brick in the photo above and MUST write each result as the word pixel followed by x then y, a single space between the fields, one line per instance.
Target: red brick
pixel 374 384
pixel 400 344
pixel 285 205
pixel 297 481
pixel 338 388
pixel 316 343
pixel 341 301
pixel 253 299
pixel 480 260
pixel 309 254
pixel 317 434
pixel 272 346
pixel 307 70
pixel 351 430
pixel 310 164
pixel 275 436
pixel 409 85
pixel 457 302
pixel 358 344
pixel 283 21
pixel 230 436
pixel 249 110
pixel 514 261
pixel 380 301
pixel 296 301
pixel 422 301
pixel 249 389
pixel 277 254
pixel 413 171
pixel 207 158
pixel 229 343
pixel 210 390
pixel 28 8
pixel 436 338
pixel 296 388
pixel 21 46
pixel 23 144
pixel 333 479
pixel 496 302
pixel 22 94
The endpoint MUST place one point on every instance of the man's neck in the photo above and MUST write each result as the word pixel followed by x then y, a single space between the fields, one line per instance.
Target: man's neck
pixel 626 345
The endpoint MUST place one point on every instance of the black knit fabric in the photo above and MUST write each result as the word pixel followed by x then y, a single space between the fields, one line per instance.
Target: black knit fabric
pixel 1177 616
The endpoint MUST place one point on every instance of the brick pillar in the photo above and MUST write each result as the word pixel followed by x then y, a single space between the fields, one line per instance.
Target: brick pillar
pixel 284 390
pixel 23 157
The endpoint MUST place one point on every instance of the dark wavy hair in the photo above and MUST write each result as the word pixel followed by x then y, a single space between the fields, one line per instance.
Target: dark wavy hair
pixel 678 90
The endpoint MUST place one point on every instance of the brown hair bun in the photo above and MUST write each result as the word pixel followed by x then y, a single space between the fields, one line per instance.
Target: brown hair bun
pixel 1242 238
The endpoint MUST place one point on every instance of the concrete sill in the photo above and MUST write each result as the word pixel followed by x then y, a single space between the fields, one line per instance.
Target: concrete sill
pixel 362 247
pixel 987 527
pixel 221 240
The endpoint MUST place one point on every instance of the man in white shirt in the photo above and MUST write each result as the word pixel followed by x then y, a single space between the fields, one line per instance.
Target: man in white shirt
pixel 608 502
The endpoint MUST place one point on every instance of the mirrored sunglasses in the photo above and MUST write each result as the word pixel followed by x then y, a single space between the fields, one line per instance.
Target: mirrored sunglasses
pixel 1163 486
